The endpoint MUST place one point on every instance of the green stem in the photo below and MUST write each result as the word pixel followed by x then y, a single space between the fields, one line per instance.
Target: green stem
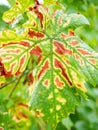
pixel 14 87
pixel 5 85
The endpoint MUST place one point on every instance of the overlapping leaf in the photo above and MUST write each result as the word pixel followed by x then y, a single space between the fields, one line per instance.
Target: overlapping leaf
pixel 9 36
pixel 20 7
pixel 14 58
pixel 65 63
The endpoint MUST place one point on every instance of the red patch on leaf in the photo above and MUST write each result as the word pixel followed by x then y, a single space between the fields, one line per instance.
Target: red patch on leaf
pixel 59 65
pixel 43 69
pixel 63 35
pixel 1 128
pixel 22 62
pixel 12 66
pixel 79 59
pixel 23 105
pixel 59 83
pixel 22 115
pixel 38 13
pixel 33 34
pixel 13 51
pixel 39 59
pixel 36 51
pixel 31 78
pixel 92 61
pixel 24 43
pixel 1 69
pixel 46 83
pixel 83 52
pixel 74 43
pixel 61 50
pixel 71 33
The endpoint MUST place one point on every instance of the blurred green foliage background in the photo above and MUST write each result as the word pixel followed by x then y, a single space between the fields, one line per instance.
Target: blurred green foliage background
pixel 86 116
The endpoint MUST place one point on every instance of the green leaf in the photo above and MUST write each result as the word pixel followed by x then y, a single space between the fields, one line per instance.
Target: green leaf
pixel 48 2
pixel 11 2
pixel 67 123
pixel 9 36
pixel 2 80
pixel 76 20
pixel 11 14
pixel 20 7
pixel 2 9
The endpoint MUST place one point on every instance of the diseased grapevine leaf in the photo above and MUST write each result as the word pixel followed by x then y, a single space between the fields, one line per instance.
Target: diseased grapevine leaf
pixel 62 71
pixel 14 58
pixel 63 63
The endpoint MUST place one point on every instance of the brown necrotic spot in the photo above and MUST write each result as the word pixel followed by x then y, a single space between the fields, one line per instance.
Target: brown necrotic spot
pixel 36 51
pixel 39 113
pixel 17 2
pixel 31 78
pixel 23 105
pixel 1 69
pixel 24 43
pixel 83 52
pixel 61 50
pixel 81 87
pixel 32 34
pixel 59 65
pixel 43 69
pixel 58 82
pixel 39 13
pixel 30 9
